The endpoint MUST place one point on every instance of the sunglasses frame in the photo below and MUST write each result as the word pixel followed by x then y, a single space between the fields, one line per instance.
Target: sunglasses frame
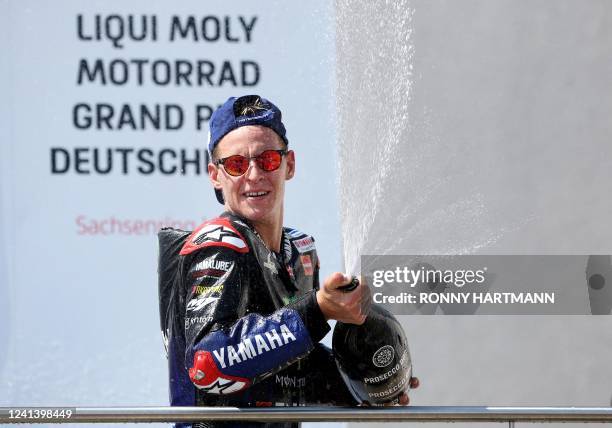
pixel 282 152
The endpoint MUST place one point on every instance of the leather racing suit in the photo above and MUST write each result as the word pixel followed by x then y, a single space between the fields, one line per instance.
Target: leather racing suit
pixel 241 323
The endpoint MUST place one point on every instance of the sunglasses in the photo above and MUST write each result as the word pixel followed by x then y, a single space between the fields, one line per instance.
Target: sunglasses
pixel 237 165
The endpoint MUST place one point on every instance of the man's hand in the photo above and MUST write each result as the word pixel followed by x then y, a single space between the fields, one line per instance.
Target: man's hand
pixel 347 306
pixel 403 399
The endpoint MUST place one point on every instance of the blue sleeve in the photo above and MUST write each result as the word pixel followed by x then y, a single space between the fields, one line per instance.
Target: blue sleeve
pixel 227 353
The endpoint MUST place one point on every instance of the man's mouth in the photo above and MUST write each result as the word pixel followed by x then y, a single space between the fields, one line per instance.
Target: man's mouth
pixel 255 194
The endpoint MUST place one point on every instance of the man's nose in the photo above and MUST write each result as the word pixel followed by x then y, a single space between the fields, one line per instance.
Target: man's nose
pixel 254 172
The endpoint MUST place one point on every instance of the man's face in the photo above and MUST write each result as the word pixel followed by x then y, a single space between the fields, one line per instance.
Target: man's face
pixel 239 192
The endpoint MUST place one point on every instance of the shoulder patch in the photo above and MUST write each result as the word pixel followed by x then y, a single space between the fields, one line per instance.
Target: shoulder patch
pixel 217 232
pixel 304 244
pixel 300 240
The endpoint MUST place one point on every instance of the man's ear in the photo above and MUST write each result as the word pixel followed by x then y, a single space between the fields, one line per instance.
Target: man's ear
pixel 290 165
pixel 213 175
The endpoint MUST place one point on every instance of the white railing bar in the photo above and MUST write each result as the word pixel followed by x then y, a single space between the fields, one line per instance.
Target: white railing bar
pixel 304 414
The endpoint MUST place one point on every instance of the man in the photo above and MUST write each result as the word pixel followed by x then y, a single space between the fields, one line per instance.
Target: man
pixel 241 308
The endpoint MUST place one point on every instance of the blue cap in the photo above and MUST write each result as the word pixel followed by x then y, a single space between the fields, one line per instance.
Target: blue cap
pixel 232 115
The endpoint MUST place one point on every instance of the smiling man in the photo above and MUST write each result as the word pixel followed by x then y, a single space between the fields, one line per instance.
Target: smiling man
pixel 241 308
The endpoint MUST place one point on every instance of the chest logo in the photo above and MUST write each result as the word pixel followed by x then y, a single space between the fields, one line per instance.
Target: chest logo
pixel 269 264
pixel 201 302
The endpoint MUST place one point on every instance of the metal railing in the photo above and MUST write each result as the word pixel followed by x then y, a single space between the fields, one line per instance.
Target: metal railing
pixel 32 415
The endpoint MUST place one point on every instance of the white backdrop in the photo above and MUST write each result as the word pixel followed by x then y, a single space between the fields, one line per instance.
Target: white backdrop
pixel 78 311
pixel 78 298
pixel 482 127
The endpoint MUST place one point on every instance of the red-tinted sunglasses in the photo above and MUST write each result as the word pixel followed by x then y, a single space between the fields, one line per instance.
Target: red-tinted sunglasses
pixel 268 160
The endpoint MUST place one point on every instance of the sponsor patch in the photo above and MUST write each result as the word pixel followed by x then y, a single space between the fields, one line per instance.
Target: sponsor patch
pixel 189 321
pixel 202 290
pixel 305 244
pixel 307 263
pixel 200 302
pixel 218 232
pixel 212 263
pixel 290 381
pixel 211 267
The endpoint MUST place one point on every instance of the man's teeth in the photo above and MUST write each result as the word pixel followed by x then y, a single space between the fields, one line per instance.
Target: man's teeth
pixel 251 194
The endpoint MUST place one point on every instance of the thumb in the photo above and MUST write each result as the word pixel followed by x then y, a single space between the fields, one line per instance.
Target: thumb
pixel 337 279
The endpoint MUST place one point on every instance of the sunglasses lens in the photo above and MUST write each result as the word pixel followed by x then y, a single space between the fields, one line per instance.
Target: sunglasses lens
pixel 269 160
pixel 236 165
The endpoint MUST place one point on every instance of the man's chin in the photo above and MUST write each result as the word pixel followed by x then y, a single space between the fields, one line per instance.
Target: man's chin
pixel 254 213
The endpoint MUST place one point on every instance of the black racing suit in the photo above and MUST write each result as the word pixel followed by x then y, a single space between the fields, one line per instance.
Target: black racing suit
pixel 241 323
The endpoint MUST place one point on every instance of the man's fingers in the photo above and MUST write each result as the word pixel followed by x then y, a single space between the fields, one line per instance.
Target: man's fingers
pixel 404 400
pixel 414 382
